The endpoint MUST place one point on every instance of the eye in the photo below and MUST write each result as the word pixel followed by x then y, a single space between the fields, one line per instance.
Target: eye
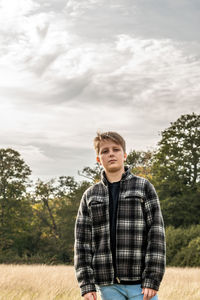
pixel 116 149
pixel 104 151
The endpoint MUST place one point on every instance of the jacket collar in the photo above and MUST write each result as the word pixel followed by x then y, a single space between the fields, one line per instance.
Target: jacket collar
pixel 126 175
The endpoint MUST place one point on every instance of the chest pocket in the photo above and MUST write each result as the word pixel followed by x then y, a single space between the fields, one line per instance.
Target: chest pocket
pixel 99 212
pixel 135 204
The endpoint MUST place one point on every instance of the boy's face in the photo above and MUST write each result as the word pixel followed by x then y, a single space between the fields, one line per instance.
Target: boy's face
pixel 111 156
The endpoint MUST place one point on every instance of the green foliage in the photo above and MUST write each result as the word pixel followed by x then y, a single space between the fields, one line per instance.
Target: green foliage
pixel 140 163
pixel 190 255
pixel 15 209
pixel 183 246
pixel 14 175
pixel 181 210
pixel 176 166
pixel 93 174
pixel 176 171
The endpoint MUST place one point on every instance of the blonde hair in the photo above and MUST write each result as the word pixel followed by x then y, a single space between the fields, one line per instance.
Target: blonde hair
pixel 109 135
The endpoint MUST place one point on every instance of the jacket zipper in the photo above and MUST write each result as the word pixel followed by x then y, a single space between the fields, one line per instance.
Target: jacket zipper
pixel 116 256
pixel 109 228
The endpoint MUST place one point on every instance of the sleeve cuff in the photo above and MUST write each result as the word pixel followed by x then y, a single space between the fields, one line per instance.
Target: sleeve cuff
pixel 87 288
pixel 150 283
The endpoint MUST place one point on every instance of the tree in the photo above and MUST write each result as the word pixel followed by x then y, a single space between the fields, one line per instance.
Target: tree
pixel 176 171
pixel 140 163
pixel 45 194
pixel 55 206
pixel 93 174
pixel 177 161
pixel 15 208
pixel 183 246
pixel 66 217
pixel 66 185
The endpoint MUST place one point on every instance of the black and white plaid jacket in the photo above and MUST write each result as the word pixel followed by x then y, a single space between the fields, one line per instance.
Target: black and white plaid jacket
pixel 140 235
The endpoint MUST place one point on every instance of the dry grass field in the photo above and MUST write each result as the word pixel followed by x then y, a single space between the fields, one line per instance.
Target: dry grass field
pixel 41 282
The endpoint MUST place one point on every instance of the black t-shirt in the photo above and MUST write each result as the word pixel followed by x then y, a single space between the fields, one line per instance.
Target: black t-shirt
pixel 113 205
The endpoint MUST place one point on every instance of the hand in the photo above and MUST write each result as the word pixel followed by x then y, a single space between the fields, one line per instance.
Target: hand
pixel 90 296
pixel 148 293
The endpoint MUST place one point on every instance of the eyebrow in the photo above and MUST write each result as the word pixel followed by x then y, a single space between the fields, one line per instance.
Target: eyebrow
pixel 108 147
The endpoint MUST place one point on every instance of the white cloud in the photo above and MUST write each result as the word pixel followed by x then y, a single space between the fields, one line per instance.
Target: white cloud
pixel 10 9
pixel 77 8
pixel 63 77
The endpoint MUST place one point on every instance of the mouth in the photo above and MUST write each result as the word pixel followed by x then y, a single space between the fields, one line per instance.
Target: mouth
pixel 112 160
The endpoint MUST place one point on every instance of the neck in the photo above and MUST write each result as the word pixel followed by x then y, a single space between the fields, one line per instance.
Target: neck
pixel 114 176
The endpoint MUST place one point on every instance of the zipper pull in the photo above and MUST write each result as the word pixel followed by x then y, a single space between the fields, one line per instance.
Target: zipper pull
pixel 118 280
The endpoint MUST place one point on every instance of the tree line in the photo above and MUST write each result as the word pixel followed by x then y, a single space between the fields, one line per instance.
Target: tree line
pixel 37 219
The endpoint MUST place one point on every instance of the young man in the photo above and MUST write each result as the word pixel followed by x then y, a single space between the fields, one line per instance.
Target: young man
pixel 119 232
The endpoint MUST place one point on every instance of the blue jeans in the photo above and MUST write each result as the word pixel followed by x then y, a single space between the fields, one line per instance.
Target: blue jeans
pixel 121 292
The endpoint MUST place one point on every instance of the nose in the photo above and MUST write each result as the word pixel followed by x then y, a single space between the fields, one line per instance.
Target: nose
pixel 111 153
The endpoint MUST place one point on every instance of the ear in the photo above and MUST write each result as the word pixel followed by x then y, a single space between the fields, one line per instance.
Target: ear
pixel 125 156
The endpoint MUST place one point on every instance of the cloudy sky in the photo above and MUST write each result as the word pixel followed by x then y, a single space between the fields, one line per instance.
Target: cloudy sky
pixel 70 68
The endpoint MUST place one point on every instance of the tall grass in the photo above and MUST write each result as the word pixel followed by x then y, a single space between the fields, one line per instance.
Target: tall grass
pixel 42 282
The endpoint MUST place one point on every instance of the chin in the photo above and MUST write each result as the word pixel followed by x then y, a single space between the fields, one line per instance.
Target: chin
pixel 114 169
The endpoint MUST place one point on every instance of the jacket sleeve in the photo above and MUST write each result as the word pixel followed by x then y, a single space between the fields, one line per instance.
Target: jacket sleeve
pixel 155 257
pixel 83 249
